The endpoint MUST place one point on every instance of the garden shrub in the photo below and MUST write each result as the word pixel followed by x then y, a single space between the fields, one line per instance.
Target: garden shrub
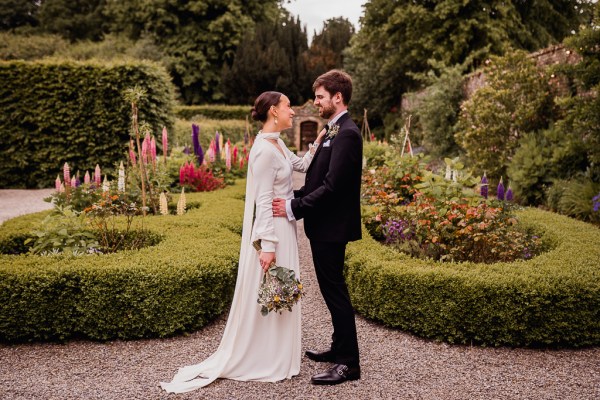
pixel 550 300
pixel 231 129
pixel 213 111
pixel 57 111
pixel 176 286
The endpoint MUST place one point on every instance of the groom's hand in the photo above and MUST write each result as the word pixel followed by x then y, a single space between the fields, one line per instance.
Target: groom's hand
pixel 279 208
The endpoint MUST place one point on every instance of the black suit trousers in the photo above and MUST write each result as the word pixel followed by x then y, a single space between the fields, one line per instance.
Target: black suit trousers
pixel 328 258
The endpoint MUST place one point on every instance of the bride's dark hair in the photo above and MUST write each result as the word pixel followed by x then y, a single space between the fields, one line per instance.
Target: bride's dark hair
pixel 263 103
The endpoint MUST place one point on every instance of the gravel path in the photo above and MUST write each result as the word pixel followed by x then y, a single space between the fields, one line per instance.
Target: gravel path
pixel 395 365
pixel 15 202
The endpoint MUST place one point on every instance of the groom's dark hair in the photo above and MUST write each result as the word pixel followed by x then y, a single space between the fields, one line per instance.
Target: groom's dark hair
pixel 335 81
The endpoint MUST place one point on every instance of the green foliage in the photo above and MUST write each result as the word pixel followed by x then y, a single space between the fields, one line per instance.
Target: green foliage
pixel 327 47
pixel 582 112
pixel 63 111
pixel 436 112
pixel 197 37
pixel 575 198
pixel 73 19
pixel 540 158
pixel 30 47
pixel 64 231
pixel 550 300
pixel 176 286
pixel 213 111
pixel 269 59
pixel 515 100
pixel 18 13
pixel 398 39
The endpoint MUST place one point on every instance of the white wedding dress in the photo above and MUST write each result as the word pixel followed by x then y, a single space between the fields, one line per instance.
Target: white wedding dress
pixel 255 347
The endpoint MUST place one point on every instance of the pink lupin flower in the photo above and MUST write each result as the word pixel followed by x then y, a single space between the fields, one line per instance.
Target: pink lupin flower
pixel 97 176
pixel 235 154
pixel 86 178
pixel 228 155
pixel 57 183
pixel 132 153
pixel 145 149
pixel 153 149
pixel 67 174
pixel 73 182
pixel 165 143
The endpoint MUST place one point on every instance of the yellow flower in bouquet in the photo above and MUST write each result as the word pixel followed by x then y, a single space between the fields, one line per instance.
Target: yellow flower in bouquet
pixel 279 289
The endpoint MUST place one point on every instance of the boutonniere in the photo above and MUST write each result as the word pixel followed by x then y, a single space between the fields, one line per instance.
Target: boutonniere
pixel 333 130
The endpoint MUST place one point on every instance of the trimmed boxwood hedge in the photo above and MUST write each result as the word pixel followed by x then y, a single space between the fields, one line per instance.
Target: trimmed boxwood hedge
pixel 176 286
pixel 57 111
pixel 213 111
pixel 550 300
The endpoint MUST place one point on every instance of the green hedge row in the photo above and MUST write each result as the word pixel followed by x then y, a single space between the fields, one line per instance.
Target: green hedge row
pixel 551 300
pixel 60 111
pixel 176 286
pixel 213 111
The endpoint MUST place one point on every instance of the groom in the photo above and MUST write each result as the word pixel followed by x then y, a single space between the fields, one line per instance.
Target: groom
pixel 329 202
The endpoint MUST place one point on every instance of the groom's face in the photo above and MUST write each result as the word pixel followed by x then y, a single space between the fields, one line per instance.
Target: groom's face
pixel 325 103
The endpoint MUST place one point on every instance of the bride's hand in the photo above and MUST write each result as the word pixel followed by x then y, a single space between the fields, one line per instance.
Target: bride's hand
pixel 319 138
pixel 266 259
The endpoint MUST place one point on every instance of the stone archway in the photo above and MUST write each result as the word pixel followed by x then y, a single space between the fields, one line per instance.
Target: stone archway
pixel 308 134
pixel 305 126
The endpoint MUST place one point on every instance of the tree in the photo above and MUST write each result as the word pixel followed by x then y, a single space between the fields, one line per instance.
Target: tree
pixel 582 108
pixel 327 47
pixel 515 100
pixel 73 19
pixel 270 59
pixel 18 13
pixel 398 38
pixel 197 36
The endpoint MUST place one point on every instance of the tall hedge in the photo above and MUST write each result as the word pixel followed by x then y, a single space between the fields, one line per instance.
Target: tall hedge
pixel 58 111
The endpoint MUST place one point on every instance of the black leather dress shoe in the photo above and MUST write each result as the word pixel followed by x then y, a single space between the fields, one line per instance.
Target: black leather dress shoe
pixel 340 373
pixel 326 356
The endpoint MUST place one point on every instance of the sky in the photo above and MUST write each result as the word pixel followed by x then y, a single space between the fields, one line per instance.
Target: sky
pixel 314 12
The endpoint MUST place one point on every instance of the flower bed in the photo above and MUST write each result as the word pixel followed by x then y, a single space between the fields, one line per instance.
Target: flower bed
pixel 550 300
pixel 176 286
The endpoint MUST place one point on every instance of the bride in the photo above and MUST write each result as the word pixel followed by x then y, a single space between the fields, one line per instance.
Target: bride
pixel 255 347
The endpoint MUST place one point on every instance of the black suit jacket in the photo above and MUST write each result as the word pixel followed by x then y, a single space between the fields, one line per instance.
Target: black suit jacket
pixel 329 201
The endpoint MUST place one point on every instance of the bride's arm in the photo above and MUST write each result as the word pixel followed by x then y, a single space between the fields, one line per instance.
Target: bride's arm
pixel 264 177
pixel 301 164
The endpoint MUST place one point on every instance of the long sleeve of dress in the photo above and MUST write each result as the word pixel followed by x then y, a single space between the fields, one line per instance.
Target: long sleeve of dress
pixel 264 174
pixel 299 164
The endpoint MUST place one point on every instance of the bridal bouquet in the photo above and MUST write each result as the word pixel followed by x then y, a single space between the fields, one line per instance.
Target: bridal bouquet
pixel 279 289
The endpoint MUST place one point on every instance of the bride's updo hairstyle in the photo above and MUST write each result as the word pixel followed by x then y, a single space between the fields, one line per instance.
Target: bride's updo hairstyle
pixel 263 103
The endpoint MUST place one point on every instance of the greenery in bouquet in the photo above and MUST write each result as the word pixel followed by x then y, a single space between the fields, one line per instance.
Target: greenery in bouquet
pixel 279 290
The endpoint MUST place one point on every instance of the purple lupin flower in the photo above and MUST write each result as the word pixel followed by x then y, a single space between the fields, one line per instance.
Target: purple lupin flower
pixel 196 143
pixel 509 194
pixel 484 186
pixel 596 203
pixel 500 190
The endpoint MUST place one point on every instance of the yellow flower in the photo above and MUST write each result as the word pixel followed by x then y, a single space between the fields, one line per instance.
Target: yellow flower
pixel 276 299
pixel 300 286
